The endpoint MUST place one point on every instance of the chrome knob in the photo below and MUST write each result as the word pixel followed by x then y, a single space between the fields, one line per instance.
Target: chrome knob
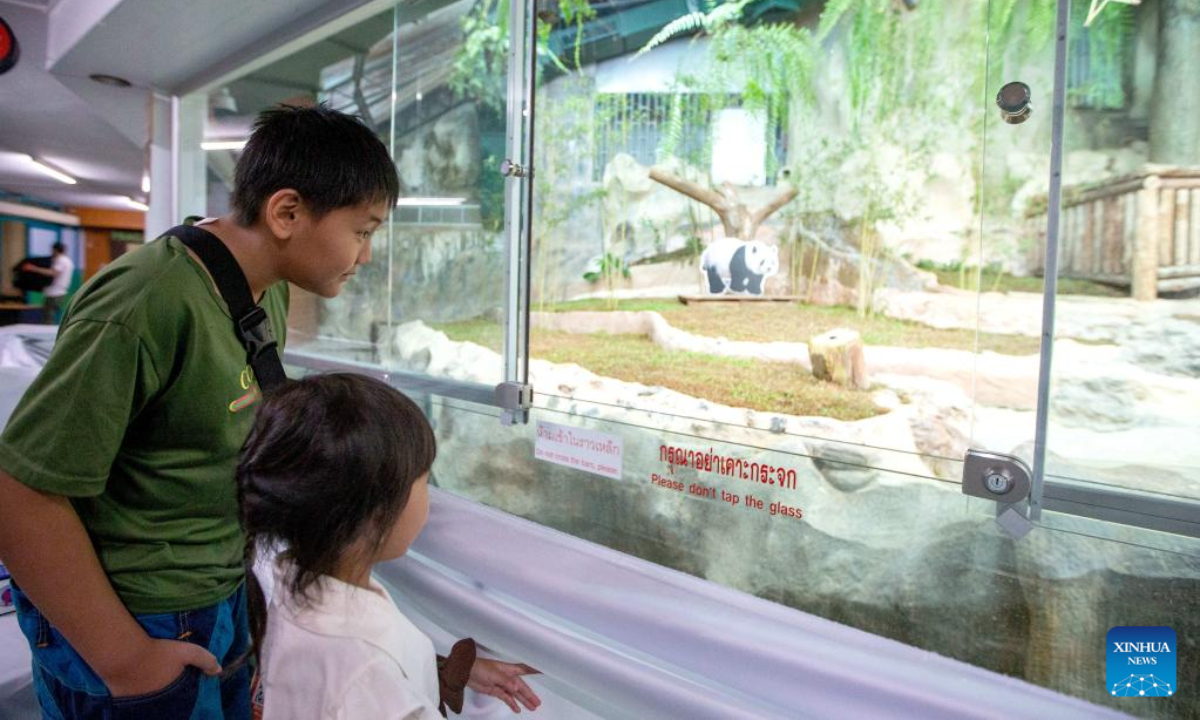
pixel 1015 101
pixel 508 168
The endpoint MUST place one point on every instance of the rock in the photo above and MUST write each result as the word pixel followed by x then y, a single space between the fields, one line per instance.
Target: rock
pixel 1099 403
pixel 941 434
pixel 626 175
pixel 946 217
pixel 845 468
pixel 831 245
pixel 442 158
pixel 838 356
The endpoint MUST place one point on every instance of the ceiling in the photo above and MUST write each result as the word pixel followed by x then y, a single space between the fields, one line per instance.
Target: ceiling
pixel 54 119
pixel 50 109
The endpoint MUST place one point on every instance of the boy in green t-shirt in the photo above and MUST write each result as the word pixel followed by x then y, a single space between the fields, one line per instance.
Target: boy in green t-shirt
pixel 118 510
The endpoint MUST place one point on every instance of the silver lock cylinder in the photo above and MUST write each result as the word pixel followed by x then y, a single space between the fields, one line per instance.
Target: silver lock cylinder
pixel 997 481
pixel 1002 478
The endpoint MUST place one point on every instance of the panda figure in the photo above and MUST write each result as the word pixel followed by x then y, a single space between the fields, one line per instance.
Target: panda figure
pixel 738 266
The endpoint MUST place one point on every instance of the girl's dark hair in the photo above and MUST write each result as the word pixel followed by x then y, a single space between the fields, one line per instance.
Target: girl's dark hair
pixel 332 159
pixel 331 460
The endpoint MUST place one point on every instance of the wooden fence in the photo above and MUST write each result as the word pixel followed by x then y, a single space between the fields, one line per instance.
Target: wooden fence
pixel 1140 231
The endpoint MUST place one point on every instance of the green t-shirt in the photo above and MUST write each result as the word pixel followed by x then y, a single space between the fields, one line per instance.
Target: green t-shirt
pixel 138 417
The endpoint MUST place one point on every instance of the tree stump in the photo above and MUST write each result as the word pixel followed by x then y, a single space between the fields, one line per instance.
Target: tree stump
pixel 837 356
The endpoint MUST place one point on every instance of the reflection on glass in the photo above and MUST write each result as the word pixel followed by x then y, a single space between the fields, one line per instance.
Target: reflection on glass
pixel 439 106
pixel 889 553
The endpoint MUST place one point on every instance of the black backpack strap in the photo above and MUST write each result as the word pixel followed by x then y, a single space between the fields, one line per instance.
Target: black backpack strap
pixel 250 322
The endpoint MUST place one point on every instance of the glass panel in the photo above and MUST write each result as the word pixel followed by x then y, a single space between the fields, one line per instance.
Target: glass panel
pixel 829 160
pixel 1126 373
pixel 903 557
pixel 439 105
pixel 1002 269
pixel 899 217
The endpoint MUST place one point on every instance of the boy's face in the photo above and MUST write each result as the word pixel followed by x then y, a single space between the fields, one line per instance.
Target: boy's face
pixel 410 523
pixel 324 253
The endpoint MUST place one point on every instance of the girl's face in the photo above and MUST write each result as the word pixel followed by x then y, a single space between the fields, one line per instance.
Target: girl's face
pixel 408 526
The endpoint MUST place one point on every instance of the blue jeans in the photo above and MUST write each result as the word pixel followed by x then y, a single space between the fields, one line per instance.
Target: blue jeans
pixel 68 689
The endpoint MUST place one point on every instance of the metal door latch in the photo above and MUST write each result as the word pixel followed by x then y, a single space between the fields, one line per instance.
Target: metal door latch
pixel 1005 480
pixel 514 400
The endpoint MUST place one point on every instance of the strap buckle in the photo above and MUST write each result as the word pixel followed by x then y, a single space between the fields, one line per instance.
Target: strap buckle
pixel 254 330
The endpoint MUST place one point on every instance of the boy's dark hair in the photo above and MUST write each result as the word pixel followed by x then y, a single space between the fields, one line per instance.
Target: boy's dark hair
pixel 58 247
pixel 332 159
pixel 331 459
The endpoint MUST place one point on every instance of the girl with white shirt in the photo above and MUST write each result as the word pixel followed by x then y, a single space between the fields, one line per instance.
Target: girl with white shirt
pixel 334 475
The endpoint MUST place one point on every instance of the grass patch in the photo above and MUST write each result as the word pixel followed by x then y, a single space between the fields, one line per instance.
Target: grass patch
pixel 1010 283
pixel 797 322
pixel 765 386
pixel 481 332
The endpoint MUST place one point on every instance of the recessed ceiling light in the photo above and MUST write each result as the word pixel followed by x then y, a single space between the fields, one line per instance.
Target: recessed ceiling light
pixel 55 173
pixel 112 80
pixel 223 145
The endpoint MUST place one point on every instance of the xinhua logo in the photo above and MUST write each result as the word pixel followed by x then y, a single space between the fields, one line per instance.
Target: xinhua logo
pixel 1141 661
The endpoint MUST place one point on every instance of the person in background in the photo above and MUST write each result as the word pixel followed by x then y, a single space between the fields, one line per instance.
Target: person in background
pixel 62 269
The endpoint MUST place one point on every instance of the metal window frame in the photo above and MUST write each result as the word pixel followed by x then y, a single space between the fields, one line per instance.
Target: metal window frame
pixel 1176 515
pixel 1163 513
pixel 1050 286
pixel 518 212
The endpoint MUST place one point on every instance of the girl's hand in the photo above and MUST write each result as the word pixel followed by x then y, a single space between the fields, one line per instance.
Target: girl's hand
pixel 503 680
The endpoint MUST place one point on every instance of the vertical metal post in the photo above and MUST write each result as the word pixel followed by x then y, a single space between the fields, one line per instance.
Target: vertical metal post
pixel 175 164
pixel 388 338
pixel 518 203
pixel 1050 289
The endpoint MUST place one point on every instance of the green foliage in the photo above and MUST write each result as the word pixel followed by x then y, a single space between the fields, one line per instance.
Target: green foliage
pixel 480 68
pixel 481 65
pixel 564 126
pixel 1021 28
pixel 610 268
pixel 709 22
pixel 1108 41
pixel 577 12
pixel 834 11
pixel 673 134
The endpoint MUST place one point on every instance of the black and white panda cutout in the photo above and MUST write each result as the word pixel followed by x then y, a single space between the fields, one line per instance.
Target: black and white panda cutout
pixel 737 266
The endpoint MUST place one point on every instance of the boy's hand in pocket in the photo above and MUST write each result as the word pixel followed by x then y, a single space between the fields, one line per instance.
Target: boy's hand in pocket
pixel 157 665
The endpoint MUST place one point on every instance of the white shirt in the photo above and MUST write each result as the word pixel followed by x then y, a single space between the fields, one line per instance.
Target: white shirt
pixel 346 653
pixel 63 270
